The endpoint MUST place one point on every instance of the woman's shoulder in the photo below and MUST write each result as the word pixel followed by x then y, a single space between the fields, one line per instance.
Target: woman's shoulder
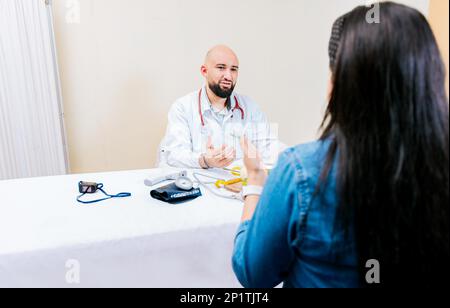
pixel 311 152
pixel 307 159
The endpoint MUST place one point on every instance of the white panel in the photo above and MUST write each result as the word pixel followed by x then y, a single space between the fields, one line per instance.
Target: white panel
pixel 31 130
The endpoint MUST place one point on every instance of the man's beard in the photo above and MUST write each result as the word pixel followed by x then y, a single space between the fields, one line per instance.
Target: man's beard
pixel 217 90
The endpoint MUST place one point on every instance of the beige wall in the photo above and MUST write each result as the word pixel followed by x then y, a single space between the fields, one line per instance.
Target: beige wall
pixel 440 22
pixel 125 62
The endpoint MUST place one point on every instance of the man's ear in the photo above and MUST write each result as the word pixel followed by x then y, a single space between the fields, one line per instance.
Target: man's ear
pixel 203 70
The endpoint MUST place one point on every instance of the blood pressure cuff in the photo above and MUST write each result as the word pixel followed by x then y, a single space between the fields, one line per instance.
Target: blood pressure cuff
pixel 173 195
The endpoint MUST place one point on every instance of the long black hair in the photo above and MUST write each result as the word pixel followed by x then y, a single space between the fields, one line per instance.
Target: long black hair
pixel 388 122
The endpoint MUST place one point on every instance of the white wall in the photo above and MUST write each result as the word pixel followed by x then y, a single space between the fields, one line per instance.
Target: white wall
pixel 125 62
pixel 439 20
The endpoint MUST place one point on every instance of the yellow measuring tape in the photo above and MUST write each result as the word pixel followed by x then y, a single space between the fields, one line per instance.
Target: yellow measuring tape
pixel 236 171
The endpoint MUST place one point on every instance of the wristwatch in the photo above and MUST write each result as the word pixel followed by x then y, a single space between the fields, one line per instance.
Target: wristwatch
pixel 251 190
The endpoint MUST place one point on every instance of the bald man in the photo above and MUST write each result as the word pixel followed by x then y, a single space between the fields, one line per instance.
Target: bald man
pixel 205 126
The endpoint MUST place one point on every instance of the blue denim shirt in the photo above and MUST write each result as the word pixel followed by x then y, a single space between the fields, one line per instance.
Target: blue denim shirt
pixel 292 237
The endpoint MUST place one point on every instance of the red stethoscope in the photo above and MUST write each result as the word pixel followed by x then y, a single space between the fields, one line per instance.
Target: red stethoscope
pixel 237 107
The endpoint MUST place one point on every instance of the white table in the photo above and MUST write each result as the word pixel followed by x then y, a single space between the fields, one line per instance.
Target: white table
pixel 131 242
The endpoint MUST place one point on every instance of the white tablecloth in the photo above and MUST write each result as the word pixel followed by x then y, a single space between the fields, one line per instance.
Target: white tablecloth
pixel 131 242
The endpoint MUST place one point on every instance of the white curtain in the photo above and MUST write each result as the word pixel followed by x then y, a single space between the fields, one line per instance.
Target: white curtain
pixel 32 138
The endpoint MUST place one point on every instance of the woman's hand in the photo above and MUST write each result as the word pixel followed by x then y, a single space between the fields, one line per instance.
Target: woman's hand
pixel 253 163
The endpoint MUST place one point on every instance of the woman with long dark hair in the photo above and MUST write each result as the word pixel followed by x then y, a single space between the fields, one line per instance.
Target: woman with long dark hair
pixel 367 204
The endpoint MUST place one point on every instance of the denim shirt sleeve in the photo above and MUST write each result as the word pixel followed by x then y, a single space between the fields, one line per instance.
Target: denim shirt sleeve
pixel 262 252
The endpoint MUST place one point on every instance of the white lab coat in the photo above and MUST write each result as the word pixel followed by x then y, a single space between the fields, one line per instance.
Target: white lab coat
pixel 186 138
